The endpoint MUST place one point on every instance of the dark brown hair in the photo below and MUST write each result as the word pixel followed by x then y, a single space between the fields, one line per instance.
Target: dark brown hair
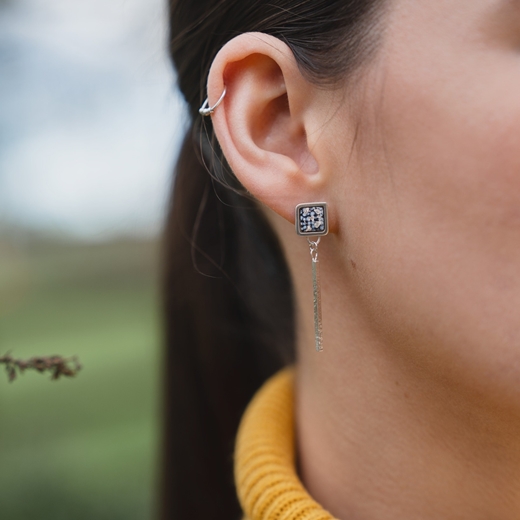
pixel 228 297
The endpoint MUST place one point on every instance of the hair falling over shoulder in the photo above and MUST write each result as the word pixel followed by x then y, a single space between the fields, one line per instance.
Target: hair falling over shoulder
pixel 227 293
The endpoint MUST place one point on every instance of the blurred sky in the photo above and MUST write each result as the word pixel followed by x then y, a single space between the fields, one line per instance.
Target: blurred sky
pixel 90 121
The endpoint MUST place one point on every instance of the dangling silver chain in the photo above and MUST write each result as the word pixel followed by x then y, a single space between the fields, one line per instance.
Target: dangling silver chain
pixel 316 288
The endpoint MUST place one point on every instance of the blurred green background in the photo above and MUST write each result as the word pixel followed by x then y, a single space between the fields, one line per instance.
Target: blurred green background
pixel 90 125
pixel 84 447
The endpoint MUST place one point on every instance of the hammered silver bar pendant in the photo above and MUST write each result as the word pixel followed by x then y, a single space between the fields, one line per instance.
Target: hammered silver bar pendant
pixel 311 219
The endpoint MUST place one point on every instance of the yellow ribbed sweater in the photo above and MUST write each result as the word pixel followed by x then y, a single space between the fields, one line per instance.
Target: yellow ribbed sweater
pixel 265 474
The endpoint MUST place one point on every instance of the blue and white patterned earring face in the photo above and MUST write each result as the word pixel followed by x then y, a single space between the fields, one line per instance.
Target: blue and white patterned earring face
pixel 311 219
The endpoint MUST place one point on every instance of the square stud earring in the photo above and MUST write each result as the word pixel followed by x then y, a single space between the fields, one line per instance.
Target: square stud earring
pixel 311 219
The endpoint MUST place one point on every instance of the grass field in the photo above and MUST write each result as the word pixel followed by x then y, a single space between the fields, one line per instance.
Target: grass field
pixel 86 447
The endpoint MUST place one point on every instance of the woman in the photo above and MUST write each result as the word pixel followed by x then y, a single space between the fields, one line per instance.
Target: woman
pixel 403 116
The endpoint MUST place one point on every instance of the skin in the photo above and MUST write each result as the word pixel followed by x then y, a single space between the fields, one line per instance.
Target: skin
pixel 413 409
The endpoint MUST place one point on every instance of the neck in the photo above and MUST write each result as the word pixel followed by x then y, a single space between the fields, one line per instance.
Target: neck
pixel 390 427
pixel 380 437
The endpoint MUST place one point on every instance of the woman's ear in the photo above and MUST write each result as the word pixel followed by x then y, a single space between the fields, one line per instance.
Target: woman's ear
pixel 264 121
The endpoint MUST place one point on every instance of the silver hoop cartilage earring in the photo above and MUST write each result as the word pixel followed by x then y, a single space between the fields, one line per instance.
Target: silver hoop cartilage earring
pixel 206 110
pixel 311 219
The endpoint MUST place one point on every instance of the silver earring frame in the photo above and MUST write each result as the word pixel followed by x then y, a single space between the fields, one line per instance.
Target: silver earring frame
pixel 313 207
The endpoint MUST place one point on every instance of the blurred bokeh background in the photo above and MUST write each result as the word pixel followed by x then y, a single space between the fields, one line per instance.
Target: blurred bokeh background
pixel 90 124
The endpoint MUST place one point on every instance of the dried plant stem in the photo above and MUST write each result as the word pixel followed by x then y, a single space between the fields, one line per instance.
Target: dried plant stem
pixel 57 365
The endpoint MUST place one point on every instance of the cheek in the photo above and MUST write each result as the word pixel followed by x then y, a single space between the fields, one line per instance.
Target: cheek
pixel 436 219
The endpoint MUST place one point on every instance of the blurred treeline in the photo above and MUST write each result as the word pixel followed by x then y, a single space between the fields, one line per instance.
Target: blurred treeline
pixel 86 447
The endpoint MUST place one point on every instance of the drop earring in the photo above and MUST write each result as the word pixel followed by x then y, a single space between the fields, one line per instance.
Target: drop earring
pixel 311 219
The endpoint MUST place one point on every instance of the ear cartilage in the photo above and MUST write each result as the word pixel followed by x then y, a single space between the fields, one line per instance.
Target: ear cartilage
pixel 311 219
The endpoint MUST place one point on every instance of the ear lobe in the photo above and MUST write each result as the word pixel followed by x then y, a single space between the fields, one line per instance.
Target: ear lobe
pixel 261 124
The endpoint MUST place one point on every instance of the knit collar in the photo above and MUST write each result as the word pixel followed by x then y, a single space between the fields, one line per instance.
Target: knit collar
pixel 267 483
